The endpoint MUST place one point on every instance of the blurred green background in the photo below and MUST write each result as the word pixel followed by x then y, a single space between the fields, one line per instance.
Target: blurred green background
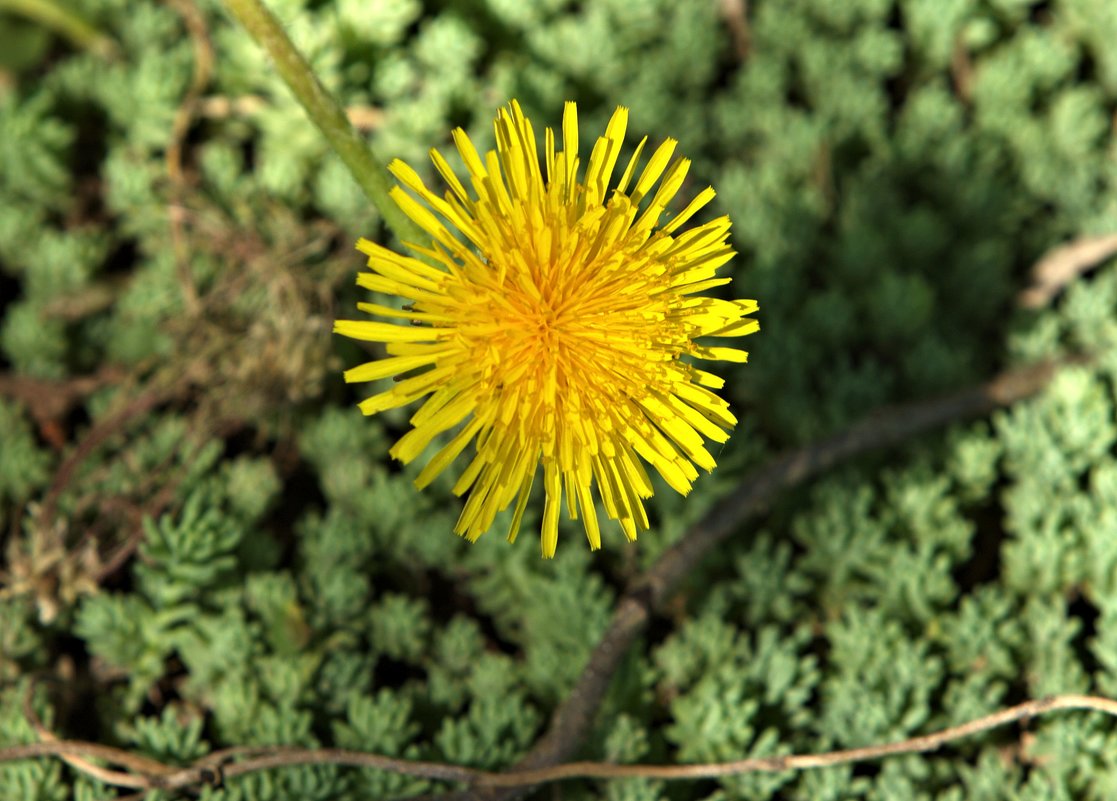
pixel 205 544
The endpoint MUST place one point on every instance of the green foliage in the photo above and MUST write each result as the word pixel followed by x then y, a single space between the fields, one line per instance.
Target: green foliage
pixel 731 696
pixel 24 466
pixel 169 739
pixel 892 169
pixel 37 780
pixel 35 346
pixel 382 725
pixel 186 556
pixel 399 626
pixel 883 689
pixel 494 731
pixel 127 632
pixel 34 144
pixel 20 642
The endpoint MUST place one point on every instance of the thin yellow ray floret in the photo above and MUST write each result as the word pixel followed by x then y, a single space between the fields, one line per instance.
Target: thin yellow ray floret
pixel 384 368
pixel 387 332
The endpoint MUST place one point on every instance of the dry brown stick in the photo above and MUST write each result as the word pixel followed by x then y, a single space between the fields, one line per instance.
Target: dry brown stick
pixel 777 764
pixel 48 401
pixel 81 763
pixel 736 16
pixel 1062 264
pixel 184 115
pixel 962 70
pixel 144 771
pixel 101 432
pixel 772 764
pixel 152 509
pixel 203 68
pixel 120 556
pixel 151 774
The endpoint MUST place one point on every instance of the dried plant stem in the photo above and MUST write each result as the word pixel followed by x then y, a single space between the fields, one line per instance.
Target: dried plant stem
pixel 48 401
pixel 325 113
pixel 736 16
pixel 1063 264
pixel 82 764
pixel 777 764
pixel 101 432
pixel 146 773
pixel 203 69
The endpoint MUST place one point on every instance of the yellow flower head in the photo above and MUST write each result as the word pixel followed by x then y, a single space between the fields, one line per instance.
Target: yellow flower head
pixel 552 325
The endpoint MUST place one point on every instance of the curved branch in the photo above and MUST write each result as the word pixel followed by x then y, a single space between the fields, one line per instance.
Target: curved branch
pixel 150 774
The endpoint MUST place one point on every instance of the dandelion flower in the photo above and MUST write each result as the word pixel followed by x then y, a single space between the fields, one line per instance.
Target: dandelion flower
pixel 547 321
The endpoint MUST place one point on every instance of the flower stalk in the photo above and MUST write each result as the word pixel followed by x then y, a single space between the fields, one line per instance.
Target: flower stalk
pixel 64 22
pixel 325 112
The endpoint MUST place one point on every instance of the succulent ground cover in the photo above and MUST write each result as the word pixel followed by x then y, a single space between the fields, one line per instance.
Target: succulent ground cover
pixel 205 545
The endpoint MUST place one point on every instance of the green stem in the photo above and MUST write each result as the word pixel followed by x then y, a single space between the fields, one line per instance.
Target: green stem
pixel 63 21
pixel 325 112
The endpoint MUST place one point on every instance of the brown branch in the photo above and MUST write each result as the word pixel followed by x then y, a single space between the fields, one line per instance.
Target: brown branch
pixel 99 434
pixel 184 116
pixel 151 774
pixel 736 16
pixel 122 553
pixel 80 763
pixel 91 299
pixel 145 771
pixel 1061 265
pixel 203 68
pixel 49 401
pixel 962 70
pixel 777 764
pixel 160 501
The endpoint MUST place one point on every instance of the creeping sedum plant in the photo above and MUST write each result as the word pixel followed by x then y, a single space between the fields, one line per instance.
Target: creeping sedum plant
pixel 206 549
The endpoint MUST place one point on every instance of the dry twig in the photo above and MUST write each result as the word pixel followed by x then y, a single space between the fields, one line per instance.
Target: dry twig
pixel 1061 265
pixel 100 433
pixel 49 401
pixel 42 564
pixel 81 763
pixel 736 15
pixel 962 70
pixel 184 115
pixel 149 774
